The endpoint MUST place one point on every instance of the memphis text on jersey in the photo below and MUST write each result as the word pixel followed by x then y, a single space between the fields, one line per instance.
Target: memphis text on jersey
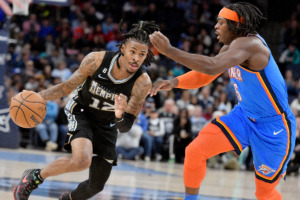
pixel 107 97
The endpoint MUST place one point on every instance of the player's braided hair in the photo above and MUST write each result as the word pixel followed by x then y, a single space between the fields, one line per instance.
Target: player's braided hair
pixel 251 16
pixel 140 33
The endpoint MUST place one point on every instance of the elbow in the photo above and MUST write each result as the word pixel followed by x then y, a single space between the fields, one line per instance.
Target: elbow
pixel 210 67
pixel 66 88
pixel 209 70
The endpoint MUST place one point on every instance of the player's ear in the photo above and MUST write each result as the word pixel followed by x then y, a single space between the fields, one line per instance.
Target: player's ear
pixel 122 49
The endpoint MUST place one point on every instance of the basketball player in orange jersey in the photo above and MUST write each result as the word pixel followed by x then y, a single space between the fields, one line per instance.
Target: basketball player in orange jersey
pixel 262 118
pixel 111 88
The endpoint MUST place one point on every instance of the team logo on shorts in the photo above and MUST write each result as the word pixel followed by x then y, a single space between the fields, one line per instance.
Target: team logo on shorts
pixel 265 169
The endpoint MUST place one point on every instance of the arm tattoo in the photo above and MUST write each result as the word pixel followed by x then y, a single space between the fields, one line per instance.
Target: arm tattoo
pixel 87 68
pixel 139 93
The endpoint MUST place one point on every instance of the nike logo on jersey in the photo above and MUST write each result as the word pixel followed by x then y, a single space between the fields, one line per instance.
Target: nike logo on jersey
pixel 276 133
pixel 101 77
pixel 112 124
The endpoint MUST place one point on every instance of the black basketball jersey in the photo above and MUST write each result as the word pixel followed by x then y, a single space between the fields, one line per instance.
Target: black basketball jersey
pixel 98 92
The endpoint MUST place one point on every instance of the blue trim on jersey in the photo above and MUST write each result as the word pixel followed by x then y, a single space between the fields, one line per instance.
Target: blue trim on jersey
pixel 266 81
pixel 231 140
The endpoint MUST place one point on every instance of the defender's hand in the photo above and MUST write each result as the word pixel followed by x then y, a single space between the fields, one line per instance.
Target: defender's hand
pixel 160 42
pixel 120 105
pixel 161 85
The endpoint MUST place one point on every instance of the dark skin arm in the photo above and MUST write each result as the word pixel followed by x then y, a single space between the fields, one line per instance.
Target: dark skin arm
pixel 88 66
pixel 138 95
pixel 248 50
pixel 172 83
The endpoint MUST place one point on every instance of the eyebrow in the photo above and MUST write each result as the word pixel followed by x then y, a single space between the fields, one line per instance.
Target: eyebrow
pixel 136 49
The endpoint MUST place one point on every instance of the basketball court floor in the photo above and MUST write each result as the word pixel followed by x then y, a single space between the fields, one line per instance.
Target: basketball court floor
pixel 133 180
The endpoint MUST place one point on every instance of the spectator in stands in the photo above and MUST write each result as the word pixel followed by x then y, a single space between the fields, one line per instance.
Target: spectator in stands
pixel 108 24
pixel 62 72
pixel 167 116
pixel 183 134
pixel 48 129
pixel 205 97
pixel 128 144
pixel 146 139
pixel 224 102
pixel 296 103
pixel 184 101
pixel 291 59
pixel 31 24
pixel 197 121
pixel 46 29
pixel 156 129
pixel 62 123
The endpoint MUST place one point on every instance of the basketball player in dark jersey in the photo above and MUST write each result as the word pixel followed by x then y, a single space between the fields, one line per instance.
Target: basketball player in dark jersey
pixel 111 88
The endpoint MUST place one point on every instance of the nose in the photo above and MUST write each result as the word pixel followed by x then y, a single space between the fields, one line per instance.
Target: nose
pixel 216 26
pixel 136 57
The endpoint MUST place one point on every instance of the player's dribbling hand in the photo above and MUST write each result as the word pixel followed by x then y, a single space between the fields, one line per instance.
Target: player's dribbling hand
pixel 160 42
pixel 120 105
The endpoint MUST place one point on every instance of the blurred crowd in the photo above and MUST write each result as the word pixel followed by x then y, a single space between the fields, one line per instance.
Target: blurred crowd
pixel 48 45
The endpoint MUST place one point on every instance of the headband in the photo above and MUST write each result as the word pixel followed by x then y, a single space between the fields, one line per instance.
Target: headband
pixel 230 14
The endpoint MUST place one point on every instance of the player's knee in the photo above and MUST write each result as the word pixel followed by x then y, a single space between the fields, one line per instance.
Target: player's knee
pixel 193 153
pixel 80 164
pixel 95 189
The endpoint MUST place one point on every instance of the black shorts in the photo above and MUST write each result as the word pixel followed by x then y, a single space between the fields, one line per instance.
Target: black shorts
pixel 102 134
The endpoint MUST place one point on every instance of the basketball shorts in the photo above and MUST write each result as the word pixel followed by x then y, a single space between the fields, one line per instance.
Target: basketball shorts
pixel 272 140
pixel 102 134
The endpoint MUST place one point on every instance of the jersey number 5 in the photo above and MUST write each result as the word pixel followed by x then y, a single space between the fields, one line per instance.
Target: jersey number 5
pixel 105 105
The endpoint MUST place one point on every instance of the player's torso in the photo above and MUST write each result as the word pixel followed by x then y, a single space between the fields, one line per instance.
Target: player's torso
pixel 260 93
pixel 98 92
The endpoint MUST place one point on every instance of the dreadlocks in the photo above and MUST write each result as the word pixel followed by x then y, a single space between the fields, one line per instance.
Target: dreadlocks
pixel 140 33
pixel 251 16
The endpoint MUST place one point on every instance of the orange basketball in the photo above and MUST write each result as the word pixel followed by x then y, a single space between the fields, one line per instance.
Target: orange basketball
pixel 27 109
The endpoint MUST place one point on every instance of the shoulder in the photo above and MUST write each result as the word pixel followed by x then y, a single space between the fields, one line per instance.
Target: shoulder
pixel 144 78
pixel 248 43
pixel 91 62
pixel 142 85
pixel 97 56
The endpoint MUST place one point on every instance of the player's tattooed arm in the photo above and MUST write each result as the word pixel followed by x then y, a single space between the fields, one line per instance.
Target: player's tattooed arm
pixel 88 66
pixel 139 93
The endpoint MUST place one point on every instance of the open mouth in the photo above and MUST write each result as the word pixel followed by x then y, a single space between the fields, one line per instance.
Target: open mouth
pixel 218 36
pixel 133 66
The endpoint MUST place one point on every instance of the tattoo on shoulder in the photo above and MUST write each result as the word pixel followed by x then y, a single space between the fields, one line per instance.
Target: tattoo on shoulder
pixel 89 64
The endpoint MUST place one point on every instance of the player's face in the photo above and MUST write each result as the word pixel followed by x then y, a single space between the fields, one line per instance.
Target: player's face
pixel 225 36
pixel 134 53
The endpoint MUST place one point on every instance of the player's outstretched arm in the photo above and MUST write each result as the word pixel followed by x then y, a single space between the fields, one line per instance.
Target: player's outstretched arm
pixel 189 80
pixel 88 66
pixel 238 52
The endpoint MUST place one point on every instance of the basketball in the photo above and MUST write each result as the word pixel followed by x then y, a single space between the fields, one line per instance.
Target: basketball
pixel 27 109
